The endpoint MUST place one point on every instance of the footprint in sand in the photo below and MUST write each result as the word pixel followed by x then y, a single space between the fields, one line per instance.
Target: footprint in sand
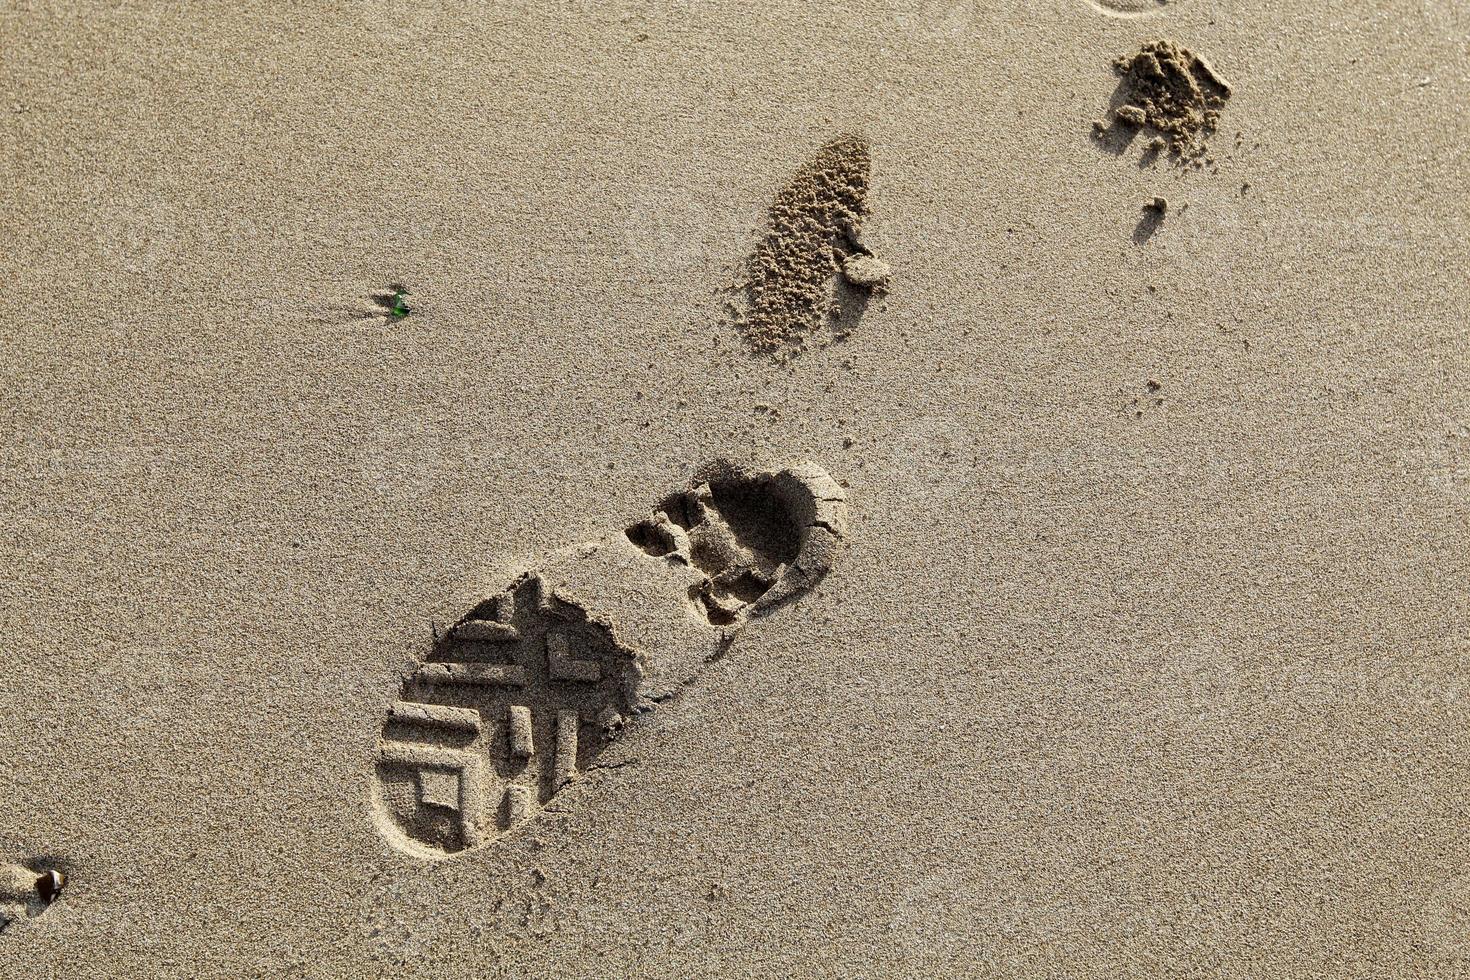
pixel 527 689
pixel 813 269
pixel 27 890
pixel 1131 8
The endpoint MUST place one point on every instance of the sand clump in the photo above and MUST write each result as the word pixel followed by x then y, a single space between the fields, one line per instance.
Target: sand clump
pixel 1171 90
pixel 866 271
pixel 815 223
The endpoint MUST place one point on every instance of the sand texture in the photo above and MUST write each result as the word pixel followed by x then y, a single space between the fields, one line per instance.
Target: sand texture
pixel 735 490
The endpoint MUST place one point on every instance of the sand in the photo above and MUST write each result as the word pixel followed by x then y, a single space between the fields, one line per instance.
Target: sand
pixel 1143 649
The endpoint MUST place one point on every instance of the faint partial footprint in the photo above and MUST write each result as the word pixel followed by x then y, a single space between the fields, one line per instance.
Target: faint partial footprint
pixel 530 685
pixel 1131 8
pixel 27 890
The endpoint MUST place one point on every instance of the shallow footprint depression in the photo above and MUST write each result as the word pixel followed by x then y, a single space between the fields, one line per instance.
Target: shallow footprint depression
pixel 1131 8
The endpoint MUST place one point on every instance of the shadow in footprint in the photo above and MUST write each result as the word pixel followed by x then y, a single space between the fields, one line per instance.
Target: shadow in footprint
pixel 851 303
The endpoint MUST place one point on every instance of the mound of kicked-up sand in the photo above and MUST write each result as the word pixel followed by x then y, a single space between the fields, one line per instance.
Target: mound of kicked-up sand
pixel 1169 89
pixel 814 226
